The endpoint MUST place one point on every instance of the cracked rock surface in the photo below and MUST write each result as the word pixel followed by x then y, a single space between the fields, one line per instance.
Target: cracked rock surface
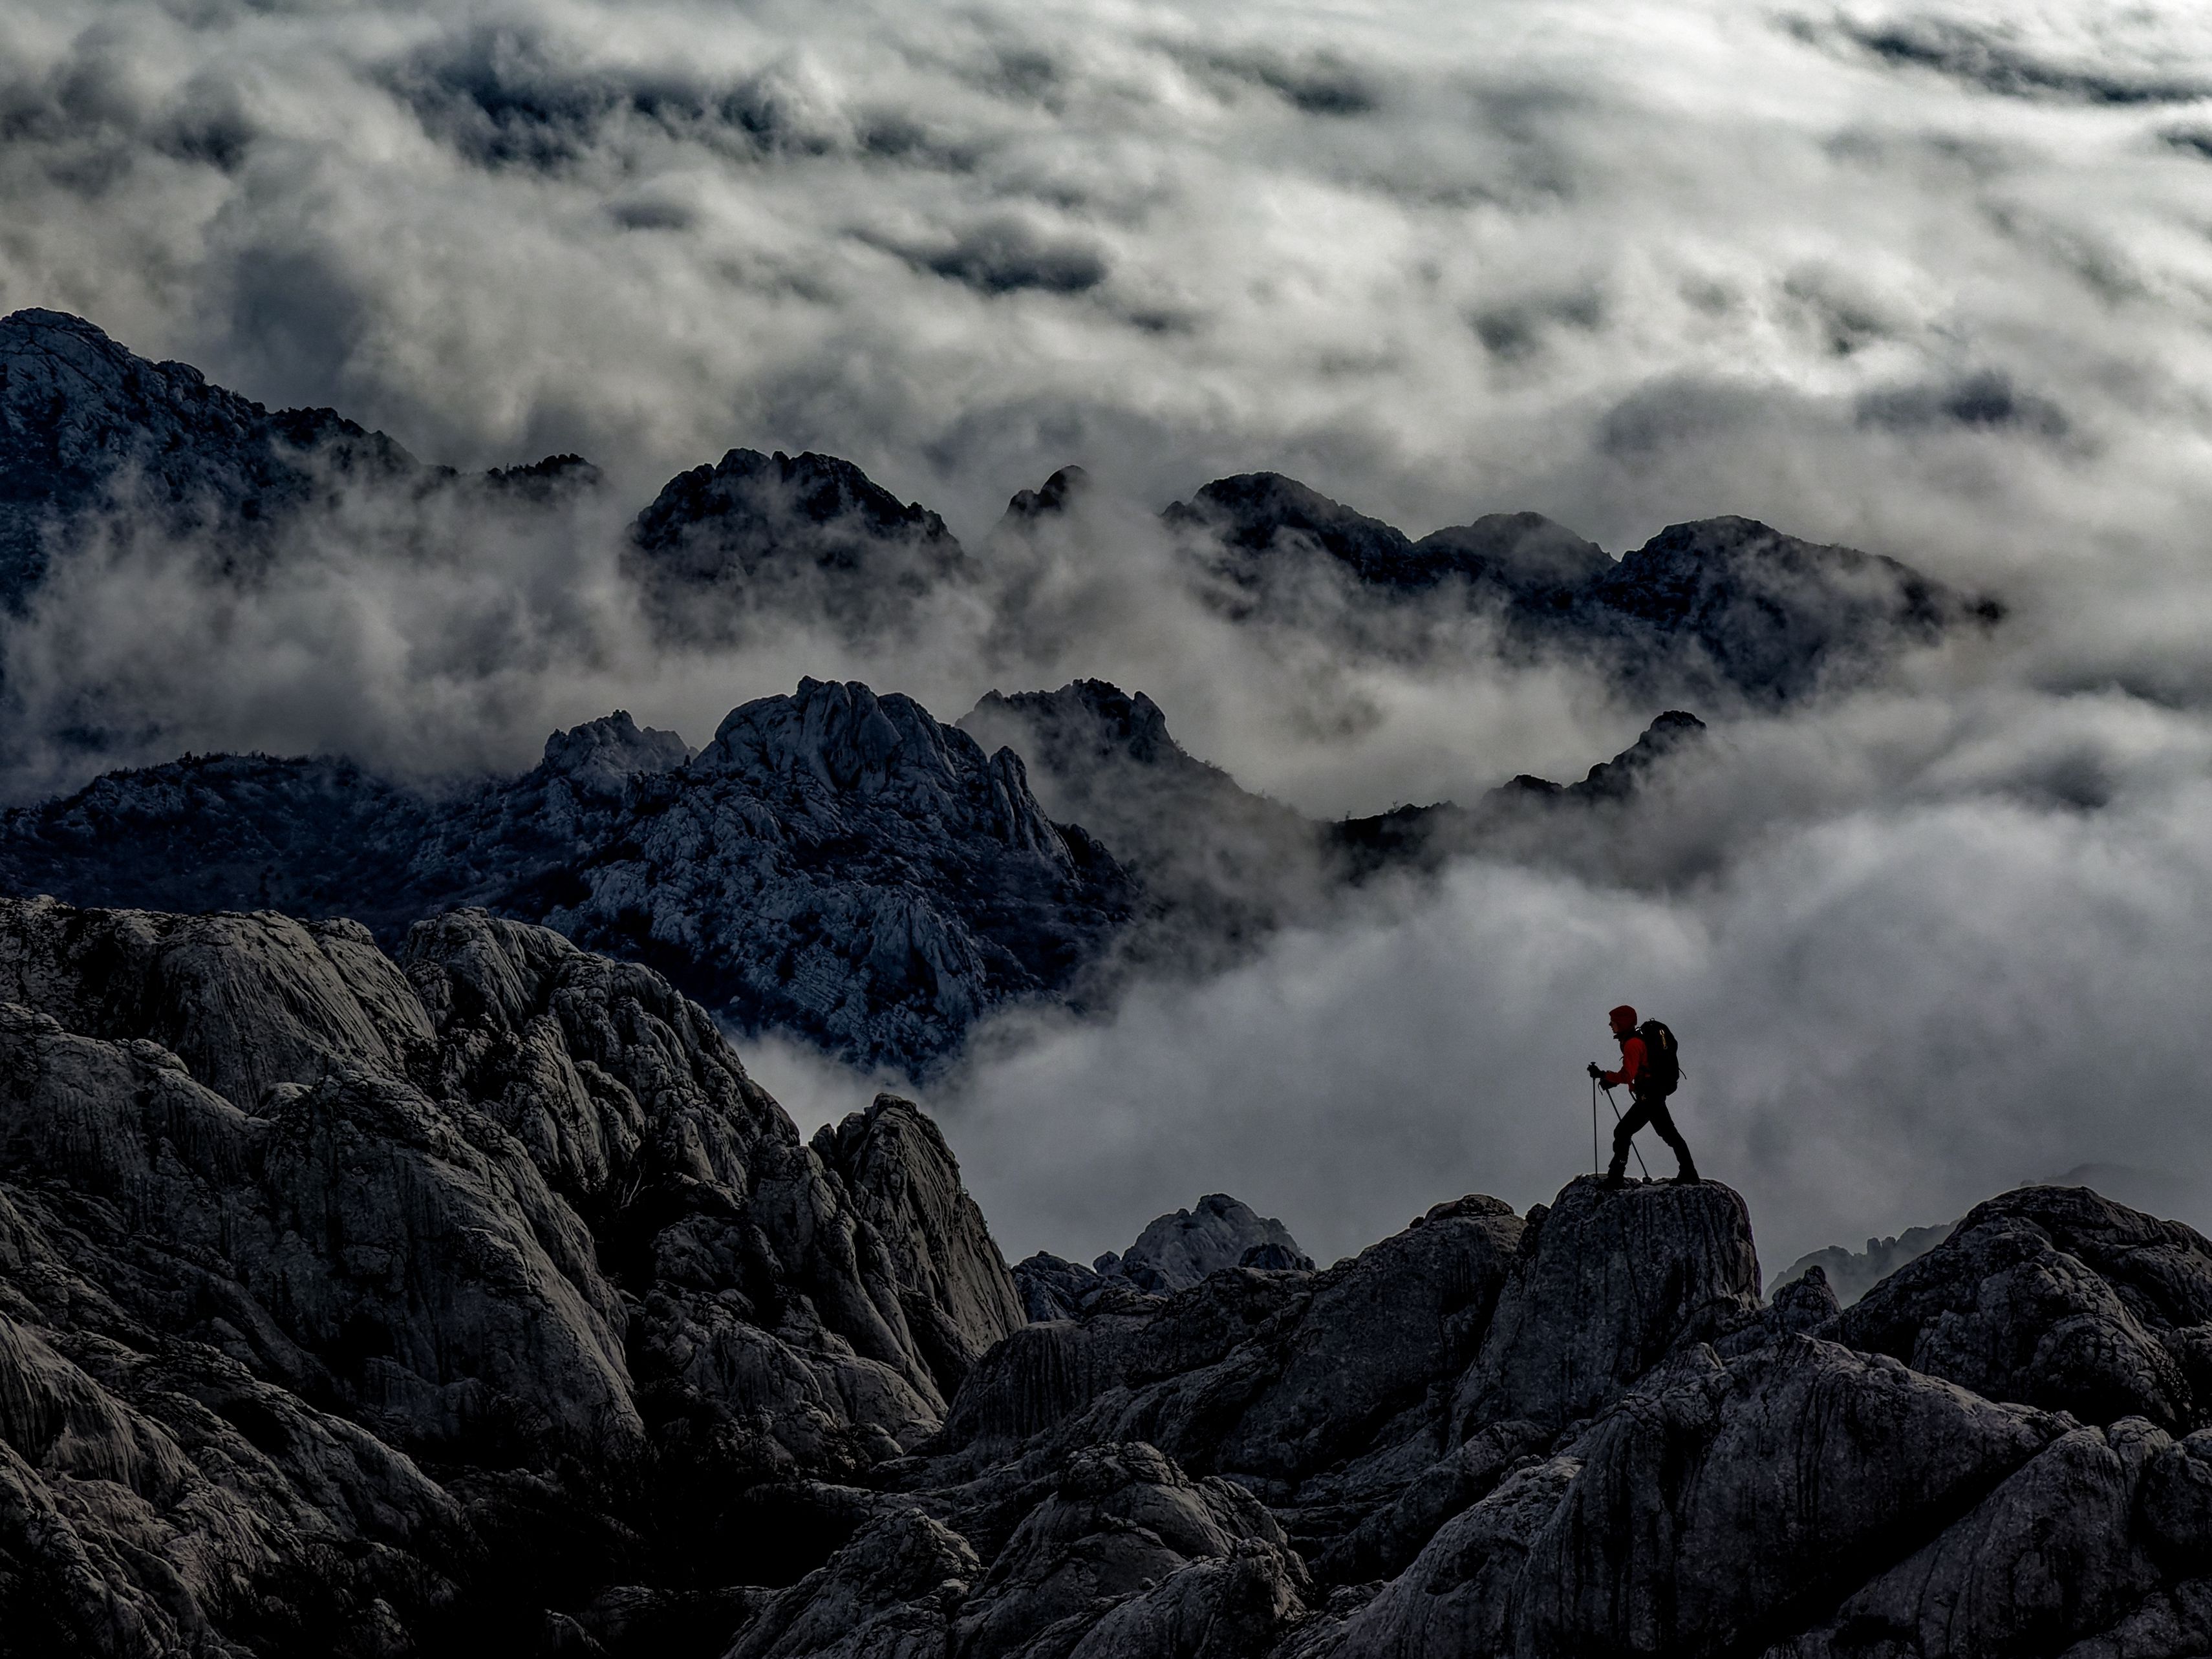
pixel 473 1298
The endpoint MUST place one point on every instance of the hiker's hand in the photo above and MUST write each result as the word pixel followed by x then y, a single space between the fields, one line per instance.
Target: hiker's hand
pixel 1594 1070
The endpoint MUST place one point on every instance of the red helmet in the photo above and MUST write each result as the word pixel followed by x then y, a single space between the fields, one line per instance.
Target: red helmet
pixel 1622 1018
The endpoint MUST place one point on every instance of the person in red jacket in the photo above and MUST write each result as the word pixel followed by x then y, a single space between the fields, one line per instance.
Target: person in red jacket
pixel 1646 1104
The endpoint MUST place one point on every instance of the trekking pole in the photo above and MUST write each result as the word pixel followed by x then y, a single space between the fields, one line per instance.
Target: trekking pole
pixel 1632 1146
pixel 1593 1126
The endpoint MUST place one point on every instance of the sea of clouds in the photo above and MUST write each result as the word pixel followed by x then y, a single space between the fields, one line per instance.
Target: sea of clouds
pixel 1929 279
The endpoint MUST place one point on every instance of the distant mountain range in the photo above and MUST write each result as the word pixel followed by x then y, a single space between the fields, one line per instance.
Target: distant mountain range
pixel 93 437
pixel 839 864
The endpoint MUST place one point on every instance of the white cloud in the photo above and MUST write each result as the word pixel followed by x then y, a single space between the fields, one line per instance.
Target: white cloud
pixel 1929 279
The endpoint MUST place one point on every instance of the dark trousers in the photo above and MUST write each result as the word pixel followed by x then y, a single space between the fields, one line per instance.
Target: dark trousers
pixel 1654 1113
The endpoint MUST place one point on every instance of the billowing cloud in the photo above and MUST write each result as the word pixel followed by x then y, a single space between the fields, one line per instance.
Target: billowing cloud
pixel 1929 279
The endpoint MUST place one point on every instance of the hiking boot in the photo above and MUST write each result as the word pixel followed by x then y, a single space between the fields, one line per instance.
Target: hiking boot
pixel 1687 1176
pixel 1615 1181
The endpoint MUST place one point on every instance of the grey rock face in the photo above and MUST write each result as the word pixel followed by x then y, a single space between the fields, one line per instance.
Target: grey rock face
pixel 842 865
pixel 1607 1284
pixel 279 1216
pixel 1325 1392
pixel 2058 1297
pixel 959 1299
pixel 1052 1288
pixel 1106 1565
pixel 1633 1563
pixel 890 1594
pixel 1175 1251
pixel 835 864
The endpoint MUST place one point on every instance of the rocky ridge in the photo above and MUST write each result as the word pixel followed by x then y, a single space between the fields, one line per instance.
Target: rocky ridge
pixel 836 864
pixel 1723 609
pixel 90 432
pixel 1726 608
pixel 1172 1253
pixel 475 1296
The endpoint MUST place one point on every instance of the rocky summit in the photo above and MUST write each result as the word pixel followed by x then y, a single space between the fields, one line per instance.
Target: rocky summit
pixel 472 1298
pixel 834 865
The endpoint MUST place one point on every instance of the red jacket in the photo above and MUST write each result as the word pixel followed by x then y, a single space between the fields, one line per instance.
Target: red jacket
pixel 1631 1065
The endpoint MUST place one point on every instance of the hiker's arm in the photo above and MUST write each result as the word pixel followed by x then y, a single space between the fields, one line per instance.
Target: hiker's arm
pixel 1631 1062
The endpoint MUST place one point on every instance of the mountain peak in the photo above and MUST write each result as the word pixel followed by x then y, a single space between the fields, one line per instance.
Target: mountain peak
pixel 812 533
pixel 600 754
pixel 1059 492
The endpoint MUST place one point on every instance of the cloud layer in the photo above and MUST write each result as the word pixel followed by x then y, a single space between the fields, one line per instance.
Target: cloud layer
pixel 1930 279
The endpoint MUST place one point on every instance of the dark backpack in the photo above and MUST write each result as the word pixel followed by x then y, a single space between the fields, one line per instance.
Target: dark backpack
pixel 1662 1061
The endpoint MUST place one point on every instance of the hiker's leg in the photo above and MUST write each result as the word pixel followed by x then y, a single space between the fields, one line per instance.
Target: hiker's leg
pixel 1623 1133
pixel 1663 1121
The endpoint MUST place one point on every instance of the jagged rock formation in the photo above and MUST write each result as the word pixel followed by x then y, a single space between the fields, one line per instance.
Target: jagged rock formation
pixel 286 1224
pixel 1852 1274
pixel 1723 607
pixel 808 534
pixel 1522 819
pixel 88 429
pixel 475 1299
pixel 1227 866
pixel 835 864
pixel 1173 1253
pixel 1585 1314
pixel 953 1285
pixel 2056 1297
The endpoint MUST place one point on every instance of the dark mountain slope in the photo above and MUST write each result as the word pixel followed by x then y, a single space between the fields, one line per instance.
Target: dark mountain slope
pixel 87 428
pixel 1720 607
pixel 836 864
pixel 809 534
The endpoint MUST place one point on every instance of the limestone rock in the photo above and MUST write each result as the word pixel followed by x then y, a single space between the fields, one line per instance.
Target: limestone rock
pixel 1606 1285
pixel 1052 1288
pixel 836 864
pixel 1102 1559
pixel 278 1215
pixel 2059 1298
pixel 958 1297
pixel 1835 1464
pixel 1176 1251
pixel 889 1594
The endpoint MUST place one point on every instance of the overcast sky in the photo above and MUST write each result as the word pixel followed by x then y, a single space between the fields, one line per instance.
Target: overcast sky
pixel 1934 280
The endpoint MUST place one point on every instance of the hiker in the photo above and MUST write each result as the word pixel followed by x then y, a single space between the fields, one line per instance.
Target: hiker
pixel 1647 1066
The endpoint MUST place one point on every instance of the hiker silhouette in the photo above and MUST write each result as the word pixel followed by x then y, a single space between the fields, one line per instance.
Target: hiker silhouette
pixel 1651 1068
